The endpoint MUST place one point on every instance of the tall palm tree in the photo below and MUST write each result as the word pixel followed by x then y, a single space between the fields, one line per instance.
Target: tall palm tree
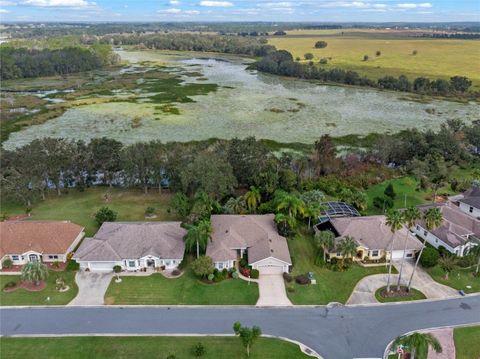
pixel 198 236
pixel 475 251
pixel 253 198
pixel 347 247
pixel 448 264
pixel 291 203
pixel 411 216
pixel 395 222
pixel 433 219
pixel 235 205
pixel 285 223
pixel 326 241
pixel 312 211
pixel 34 272
pixel 417 344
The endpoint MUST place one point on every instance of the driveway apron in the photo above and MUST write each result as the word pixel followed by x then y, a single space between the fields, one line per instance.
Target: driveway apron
pixel 91 288
pixel 272 291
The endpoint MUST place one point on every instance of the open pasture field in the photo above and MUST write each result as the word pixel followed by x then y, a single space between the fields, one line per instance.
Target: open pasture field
pixel 436 58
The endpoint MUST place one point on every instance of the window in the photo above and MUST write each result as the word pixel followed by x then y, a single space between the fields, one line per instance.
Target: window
pixel 220 265
pixel 409 255
pixel 375 253
pixel 339 254
pixel 425 233
pixel 173 262
pixel 167 263
pixel 131 263
pixel 53 257
pixel 15 258
pixel 471 210
pixel 436 240
pixel 418 227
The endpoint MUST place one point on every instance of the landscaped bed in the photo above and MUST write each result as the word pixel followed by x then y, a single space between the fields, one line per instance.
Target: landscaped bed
pixel 187 289
pixel 459 278
pixel 331 286
pixel 395 296
pixel 467 343
pixel 47 296
pixel 153 347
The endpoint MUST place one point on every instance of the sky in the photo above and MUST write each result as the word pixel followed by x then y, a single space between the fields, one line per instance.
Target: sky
pixel 241 10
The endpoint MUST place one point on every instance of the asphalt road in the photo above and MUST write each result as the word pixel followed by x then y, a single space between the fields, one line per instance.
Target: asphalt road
pixel 336 333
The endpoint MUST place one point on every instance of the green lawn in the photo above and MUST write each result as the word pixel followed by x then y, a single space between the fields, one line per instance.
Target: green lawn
pixel 24 297
pixel 149 347
pixel 331 286
pixel 415 295
pixel 458 279
pixel 467 343
pixel 79 207
pixel 156 289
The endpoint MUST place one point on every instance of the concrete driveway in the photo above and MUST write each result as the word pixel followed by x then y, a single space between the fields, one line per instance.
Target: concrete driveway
pixel 91 288
pixel 364 291
pixel 272 291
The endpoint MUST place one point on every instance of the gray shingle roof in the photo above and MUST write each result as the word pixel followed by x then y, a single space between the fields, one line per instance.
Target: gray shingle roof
pixel 130 240
pixel 472 197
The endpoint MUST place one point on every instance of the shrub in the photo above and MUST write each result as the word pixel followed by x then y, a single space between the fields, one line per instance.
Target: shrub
pixel 176 272
pixel 149 211
pixel 7 263
pixel 199 350
pixel 378 53
pixel 302 279
pixel 466 261
pixel 183 264
pixel 171 356
pixel 308 56
pixel 225 272
pixel 243 262
pixel 203 266
pixel 443 251
pixel 218 276
pixel 323 61
pixel 288 278
pixel 245 272
pixel 254 274
pixel 105 214
pixel 320 44
pixel 10 284
pixel 414 52
pixel 210 277
pixel 383 202
pixel 365 57
pixel 429 257
pixel 235 275
pixel 56 264
pixel 390 191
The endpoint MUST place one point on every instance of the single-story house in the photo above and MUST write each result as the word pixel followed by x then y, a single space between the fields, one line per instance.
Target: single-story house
pixel 32 241
pixel 470 203
pixel 373 237
pixel 133 246
pixel 458 232
pixel 252 235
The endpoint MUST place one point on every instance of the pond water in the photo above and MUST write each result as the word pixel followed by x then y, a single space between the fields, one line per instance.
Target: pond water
pixel 246 103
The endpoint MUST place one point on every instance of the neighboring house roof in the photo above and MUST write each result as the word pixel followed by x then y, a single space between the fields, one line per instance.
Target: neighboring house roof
pixel 131 240
pixel 257 233
pixel 51 237
pixel 456 225
pixel 373 233
pixel 471 197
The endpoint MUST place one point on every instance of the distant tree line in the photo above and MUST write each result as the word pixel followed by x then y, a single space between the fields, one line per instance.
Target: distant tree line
pixel 195 42
pixel 23 62
pixel 446 35
pixel 281 63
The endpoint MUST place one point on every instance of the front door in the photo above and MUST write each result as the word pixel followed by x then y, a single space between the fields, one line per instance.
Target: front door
pixel 150 262
pixel 33 258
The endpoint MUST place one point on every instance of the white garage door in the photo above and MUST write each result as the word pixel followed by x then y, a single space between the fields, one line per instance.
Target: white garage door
pixel 399 254
pixel 270 269
pixel 101 266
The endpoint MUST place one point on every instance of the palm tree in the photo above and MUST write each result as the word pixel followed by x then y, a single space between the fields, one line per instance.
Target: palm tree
pixel 34 272
pixel 475 251
pixel 447 263
pixel 326 241
pixel 347 247
pixel 395 222
pixel 417 344
pixel 291 203
pixel 198 235
pixel 285 223
pixel 433 219
pixel 312 211
pixel 235 205
pixel 411 215
pixel 253 198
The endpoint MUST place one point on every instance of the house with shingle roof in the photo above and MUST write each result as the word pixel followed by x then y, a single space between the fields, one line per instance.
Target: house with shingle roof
pixel 373 237
pixel 458 232
pixel 470 203
pixel 32 241
pixel 133 246
pixel 254 236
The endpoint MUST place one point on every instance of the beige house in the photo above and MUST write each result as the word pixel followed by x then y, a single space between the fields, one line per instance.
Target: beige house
pixel 133 246
pixel 373 237
pixel 256 236
pixel 32 241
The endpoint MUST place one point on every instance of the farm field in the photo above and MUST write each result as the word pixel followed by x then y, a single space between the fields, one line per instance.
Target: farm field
pixel 436 58
pixel 179 97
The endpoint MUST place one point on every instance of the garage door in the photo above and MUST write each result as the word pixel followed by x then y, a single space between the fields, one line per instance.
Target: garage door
pixel 101 266
pixel 270 269
pixel 399 254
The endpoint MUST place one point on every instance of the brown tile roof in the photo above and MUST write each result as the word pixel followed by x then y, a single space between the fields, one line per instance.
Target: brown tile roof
pixel 373 233
pixel 131 240
pixel 52 237
pixel 258 233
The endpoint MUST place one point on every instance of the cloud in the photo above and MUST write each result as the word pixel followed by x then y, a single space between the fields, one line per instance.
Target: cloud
pixel 424 5
pixel 57 3
pixel 174 2
pixel 192 12
pixel 7 3
pixel 170 11
pixel 4 11
pixel 216 3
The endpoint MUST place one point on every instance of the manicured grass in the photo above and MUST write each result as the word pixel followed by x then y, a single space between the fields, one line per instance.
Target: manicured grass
pixel 458 279
pixel 467 343
pixel 24 297
pixel 150 347
pixel 80 207
pixel 156 289
pixel 331 286
pixel 415 295
pixel 436 58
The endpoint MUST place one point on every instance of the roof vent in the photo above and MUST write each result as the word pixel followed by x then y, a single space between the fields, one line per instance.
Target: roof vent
pixel 271 250
pixel 270 240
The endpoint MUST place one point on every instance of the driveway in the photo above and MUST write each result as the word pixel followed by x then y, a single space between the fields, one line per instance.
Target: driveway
pixel 364 291
pixel 91 288
pixel 272 291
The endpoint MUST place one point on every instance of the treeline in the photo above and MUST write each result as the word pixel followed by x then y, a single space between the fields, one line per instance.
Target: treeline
pixel 195 42
pixel 23 62
pixel 281 63
pixel 220 167
pixel 446 35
